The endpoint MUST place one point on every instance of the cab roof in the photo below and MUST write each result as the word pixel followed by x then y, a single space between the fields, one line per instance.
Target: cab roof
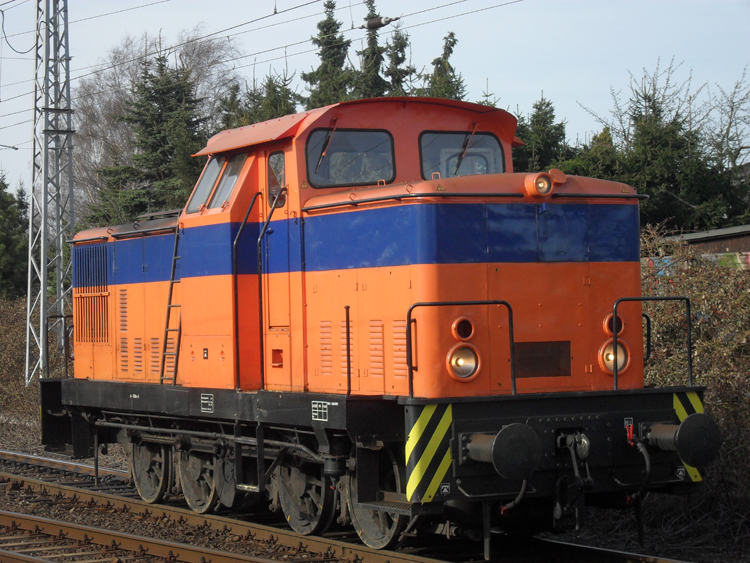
pixel 289 125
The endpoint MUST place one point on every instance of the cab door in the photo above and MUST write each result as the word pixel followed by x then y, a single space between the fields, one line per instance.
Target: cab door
pixel 276 272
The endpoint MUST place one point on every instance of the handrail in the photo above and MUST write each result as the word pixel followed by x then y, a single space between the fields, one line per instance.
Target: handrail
pixel 410 321
pixel 689 332
pixel 143 232
pixel 234 285
pixel 604 196
pixel 348 353
pixel 260 285
pixel 647 356
pixel 399 197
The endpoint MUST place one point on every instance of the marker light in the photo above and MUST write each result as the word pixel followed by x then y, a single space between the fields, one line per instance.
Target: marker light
pixel 463 362
pixel 608 325
pixel 462 329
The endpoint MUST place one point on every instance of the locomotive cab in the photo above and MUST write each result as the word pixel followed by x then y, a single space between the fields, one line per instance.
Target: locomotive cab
pixel 363 313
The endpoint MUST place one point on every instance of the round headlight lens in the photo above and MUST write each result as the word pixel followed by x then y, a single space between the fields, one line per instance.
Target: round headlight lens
pixel 607 357
pixel 543 185
pixel 463 362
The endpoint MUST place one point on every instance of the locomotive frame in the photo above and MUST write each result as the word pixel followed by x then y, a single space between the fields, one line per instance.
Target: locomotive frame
pixel 483 375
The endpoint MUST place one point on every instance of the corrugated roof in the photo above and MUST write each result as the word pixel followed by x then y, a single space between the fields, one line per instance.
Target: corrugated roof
pixel 713 234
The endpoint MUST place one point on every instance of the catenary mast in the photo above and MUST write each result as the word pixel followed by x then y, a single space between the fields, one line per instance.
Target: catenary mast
pixel 51 214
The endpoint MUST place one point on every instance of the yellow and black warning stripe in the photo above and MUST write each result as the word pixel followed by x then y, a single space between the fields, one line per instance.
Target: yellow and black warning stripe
pixel 428 454
pixel 685 404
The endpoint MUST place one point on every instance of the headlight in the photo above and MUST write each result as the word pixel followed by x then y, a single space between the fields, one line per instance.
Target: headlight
pixel 463 362
pixel 607 356
pixel 539 184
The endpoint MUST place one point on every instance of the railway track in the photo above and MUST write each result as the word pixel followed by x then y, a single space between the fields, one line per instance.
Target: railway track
pixel 51 481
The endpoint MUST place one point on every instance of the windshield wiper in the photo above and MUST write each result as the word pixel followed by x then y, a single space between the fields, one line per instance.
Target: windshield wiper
pixel 464 148
pixel 326 142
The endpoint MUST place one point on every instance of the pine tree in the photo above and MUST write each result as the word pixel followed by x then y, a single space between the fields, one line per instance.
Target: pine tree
pixel 274 98
pixel 14 227
pixel 369 83
pixel 331 82
pixel 164 116
pixel 444 81
pixel 397 71
pixel 544 138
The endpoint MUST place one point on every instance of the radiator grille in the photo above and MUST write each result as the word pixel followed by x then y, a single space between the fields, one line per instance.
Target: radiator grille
pixel 155 355
pixel 123 310
pixel 91 293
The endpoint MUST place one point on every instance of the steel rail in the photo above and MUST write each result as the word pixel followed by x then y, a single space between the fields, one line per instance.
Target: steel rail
pixel 61 465
pixel 129 542
pixel 259 532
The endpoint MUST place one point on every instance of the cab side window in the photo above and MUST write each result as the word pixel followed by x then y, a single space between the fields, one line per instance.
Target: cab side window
pixel 228 181
pixel 276 177
pixel 206 184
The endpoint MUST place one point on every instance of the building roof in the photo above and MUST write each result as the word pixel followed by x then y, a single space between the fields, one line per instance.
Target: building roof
pixel 714 234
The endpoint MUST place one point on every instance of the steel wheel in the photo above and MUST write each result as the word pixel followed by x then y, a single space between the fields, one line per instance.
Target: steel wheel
pixel 197 480
pixel 306 499
pixel 151 470
pixel 378 529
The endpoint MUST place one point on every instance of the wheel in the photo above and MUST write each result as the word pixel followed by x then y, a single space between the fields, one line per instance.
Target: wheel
pixel 151 470
pixel 306 499
pixel 378 529
pixel 196 477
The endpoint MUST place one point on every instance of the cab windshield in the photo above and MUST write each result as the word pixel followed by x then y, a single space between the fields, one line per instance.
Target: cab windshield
pixel 347 157
pixel 459 154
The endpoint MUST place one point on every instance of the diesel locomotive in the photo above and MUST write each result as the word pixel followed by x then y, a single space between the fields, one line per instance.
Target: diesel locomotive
pixel 362 315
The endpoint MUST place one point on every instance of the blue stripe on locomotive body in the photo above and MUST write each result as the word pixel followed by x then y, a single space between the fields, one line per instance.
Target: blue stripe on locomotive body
pixel 389 236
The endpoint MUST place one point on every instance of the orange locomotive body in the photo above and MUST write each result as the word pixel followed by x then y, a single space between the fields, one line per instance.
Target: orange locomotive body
pixel 365 293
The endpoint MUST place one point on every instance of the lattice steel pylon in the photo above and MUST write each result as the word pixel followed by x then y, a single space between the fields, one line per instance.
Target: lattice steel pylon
pixel 51 214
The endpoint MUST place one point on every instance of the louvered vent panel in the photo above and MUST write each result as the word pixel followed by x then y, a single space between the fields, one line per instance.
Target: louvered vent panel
pixel 123 310
pixel 138 355
pixel 124 355
pixel 342 348
pixel 399 349
pixel 326 348
pixel 169 364
pixel 155 353
pixel 91 293
pixel 377 362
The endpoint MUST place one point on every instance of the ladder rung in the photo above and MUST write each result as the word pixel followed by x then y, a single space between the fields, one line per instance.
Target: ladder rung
pixel 173 330
pixel 178 305
pixel 165 354
pixel 174 281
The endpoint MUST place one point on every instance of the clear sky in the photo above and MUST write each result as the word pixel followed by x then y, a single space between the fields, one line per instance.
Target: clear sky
pixel 575 51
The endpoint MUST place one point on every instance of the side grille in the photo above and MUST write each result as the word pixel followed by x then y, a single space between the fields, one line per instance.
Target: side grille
pixel 124 355
pixel 138 355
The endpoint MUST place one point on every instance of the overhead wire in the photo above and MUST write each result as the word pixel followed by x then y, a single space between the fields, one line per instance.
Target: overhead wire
pixel 5 36
pixel 286 55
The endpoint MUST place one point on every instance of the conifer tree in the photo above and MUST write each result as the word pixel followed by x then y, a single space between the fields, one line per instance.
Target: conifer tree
pixel 369 83
pixel 398 72
pixel 331 82
pixel 164 116
pixel 14 227
pixel 444 81
pixel 543 137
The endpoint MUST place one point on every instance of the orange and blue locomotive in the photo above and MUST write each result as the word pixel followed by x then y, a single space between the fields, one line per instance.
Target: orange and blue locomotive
pixel 363 314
